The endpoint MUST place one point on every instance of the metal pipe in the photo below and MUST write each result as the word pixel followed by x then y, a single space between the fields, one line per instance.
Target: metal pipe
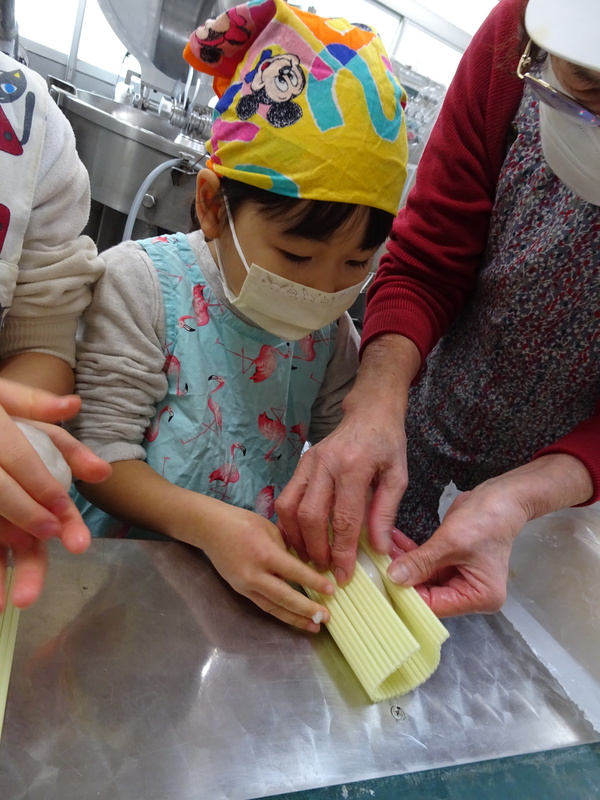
pixel 72 59
pixel 8 28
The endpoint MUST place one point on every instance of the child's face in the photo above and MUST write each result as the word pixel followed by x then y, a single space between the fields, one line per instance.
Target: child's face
pixel 328 266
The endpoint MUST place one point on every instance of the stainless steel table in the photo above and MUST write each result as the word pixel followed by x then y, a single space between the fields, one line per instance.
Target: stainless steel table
pixel 140 675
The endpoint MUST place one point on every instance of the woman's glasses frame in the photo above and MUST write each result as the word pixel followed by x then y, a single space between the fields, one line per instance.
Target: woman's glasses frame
pixel 553 97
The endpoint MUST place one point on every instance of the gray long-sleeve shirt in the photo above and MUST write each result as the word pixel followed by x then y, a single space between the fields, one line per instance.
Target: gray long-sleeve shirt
pixel 120 355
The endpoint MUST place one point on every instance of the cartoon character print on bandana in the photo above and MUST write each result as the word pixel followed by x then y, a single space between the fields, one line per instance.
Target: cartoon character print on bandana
pixel 227 29
pixel 275 81
pixel 12 87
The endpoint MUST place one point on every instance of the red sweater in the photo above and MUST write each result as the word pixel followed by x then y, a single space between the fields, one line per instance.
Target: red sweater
pixel 438 241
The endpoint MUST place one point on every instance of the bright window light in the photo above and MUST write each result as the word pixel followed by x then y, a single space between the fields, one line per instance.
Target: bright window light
pixel 465 14
pixel 427 55
pixel 385 22
pixel 39 21
pixel 99 45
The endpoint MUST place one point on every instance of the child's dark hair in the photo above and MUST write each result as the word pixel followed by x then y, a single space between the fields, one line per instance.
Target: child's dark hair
pixel 316 219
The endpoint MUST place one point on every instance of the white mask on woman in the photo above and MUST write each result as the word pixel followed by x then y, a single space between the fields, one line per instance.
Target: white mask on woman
pixel 572 150
pixel 281 306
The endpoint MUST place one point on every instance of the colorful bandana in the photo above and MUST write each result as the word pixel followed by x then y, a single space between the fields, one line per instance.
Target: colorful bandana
pixel 309 107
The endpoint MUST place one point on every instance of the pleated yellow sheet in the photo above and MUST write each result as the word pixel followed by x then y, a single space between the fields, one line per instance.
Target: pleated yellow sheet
pixel 391 647
pixel 9 619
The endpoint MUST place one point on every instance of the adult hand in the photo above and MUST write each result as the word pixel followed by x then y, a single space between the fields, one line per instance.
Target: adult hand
pixel 31 500
pixel 463 568
pixel 366 453
pixel 332 483
pixel 249 552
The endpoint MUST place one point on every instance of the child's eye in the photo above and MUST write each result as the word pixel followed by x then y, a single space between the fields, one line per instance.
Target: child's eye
pixel 359 264
pixel 295 258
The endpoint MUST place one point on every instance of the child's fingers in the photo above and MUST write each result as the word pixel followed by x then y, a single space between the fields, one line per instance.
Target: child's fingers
pixel 292 569
pixel 85 465
pixel 288 599
pixel 29 512
pixel 29 565
pixel 297 611
pixel 19 400
pixel 75 534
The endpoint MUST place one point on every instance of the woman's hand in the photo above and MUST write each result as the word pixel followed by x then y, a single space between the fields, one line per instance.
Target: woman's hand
pixel 333 481
pixel 463 568
pixel 249 552
pixel 365 454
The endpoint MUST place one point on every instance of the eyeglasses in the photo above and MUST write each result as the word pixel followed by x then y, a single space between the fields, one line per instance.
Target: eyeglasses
pixel 553 97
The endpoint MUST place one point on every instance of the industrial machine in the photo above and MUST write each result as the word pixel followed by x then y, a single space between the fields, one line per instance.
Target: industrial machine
pixel 144 145
pixel 144 148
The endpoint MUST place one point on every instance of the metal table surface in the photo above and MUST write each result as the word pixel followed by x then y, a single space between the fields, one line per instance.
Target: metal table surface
pixel 140 674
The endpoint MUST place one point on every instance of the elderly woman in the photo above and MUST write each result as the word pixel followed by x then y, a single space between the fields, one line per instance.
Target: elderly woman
pixel 487 303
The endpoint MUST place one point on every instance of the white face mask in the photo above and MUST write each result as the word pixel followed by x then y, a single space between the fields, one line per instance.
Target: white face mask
pixel 281 306
pixel 572 150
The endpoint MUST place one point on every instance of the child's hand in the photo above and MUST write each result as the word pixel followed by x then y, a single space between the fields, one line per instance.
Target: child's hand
pixel 249 552
pixel 30 498
pixel 30 562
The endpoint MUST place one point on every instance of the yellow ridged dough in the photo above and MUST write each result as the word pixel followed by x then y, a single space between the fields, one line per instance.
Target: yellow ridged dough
pixel 391 649
pixel 9 619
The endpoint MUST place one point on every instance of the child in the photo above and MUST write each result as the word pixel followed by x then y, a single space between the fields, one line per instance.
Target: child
pixel 46 269
pixel 208 360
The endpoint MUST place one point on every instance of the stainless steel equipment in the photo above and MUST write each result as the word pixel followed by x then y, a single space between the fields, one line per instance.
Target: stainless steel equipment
pixel 120 146
pixel 166 117
pixel 141 674
pixel 9 40
pixel 155 31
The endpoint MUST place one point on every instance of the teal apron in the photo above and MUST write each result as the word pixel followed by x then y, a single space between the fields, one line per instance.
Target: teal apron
pixel 238 406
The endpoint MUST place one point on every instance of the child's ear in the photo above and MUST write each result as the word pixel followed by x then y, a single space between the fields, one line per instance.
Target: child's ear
pixel 209 205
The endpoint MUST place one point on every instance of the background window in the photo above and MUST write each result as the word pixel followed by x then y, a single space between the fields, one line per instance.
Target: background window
pixel 465 14
pixel 99 44
pixel 427 55
pixel 44 22
pixel 385 22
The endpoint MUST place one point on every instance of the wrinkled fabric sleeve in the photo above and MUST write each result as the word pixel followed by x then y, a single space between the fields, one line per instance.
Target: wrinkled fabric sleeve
pixel 438 240
pixel 326 413
pixel 120 356
pixel 57 266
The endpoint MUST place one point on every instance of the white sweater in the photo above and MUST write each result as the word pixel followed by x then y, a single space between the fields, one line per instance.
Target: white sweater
pixel 57 265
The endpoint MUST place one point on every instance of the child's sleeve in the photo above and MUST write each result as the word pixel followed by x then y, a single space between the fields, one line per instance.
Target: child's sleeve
pixel 120 358
pixel 57 266
pixel 326 412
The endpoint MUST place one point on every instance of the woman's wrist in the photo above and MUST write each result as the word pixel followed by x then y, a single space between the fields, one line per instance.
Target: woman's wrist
pixel 388 366
pixel 546 484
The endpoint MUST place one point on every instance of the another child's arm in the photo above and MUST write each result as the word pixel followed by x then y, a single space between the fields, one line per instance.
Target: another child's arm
pixel 57 265
pixel 246 549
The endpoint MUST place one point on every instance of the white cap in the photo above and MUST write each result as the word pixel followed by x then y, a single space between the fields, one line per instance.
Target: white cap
pixel 569 29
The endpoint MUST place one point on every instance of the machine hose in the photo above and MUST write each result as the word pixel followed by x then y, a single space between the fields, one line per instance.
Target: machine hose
pixel 146 184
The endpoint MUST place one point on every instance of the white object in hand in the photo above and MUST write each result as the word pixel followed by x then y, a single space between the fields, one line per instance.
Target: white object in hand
pixel 48 452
